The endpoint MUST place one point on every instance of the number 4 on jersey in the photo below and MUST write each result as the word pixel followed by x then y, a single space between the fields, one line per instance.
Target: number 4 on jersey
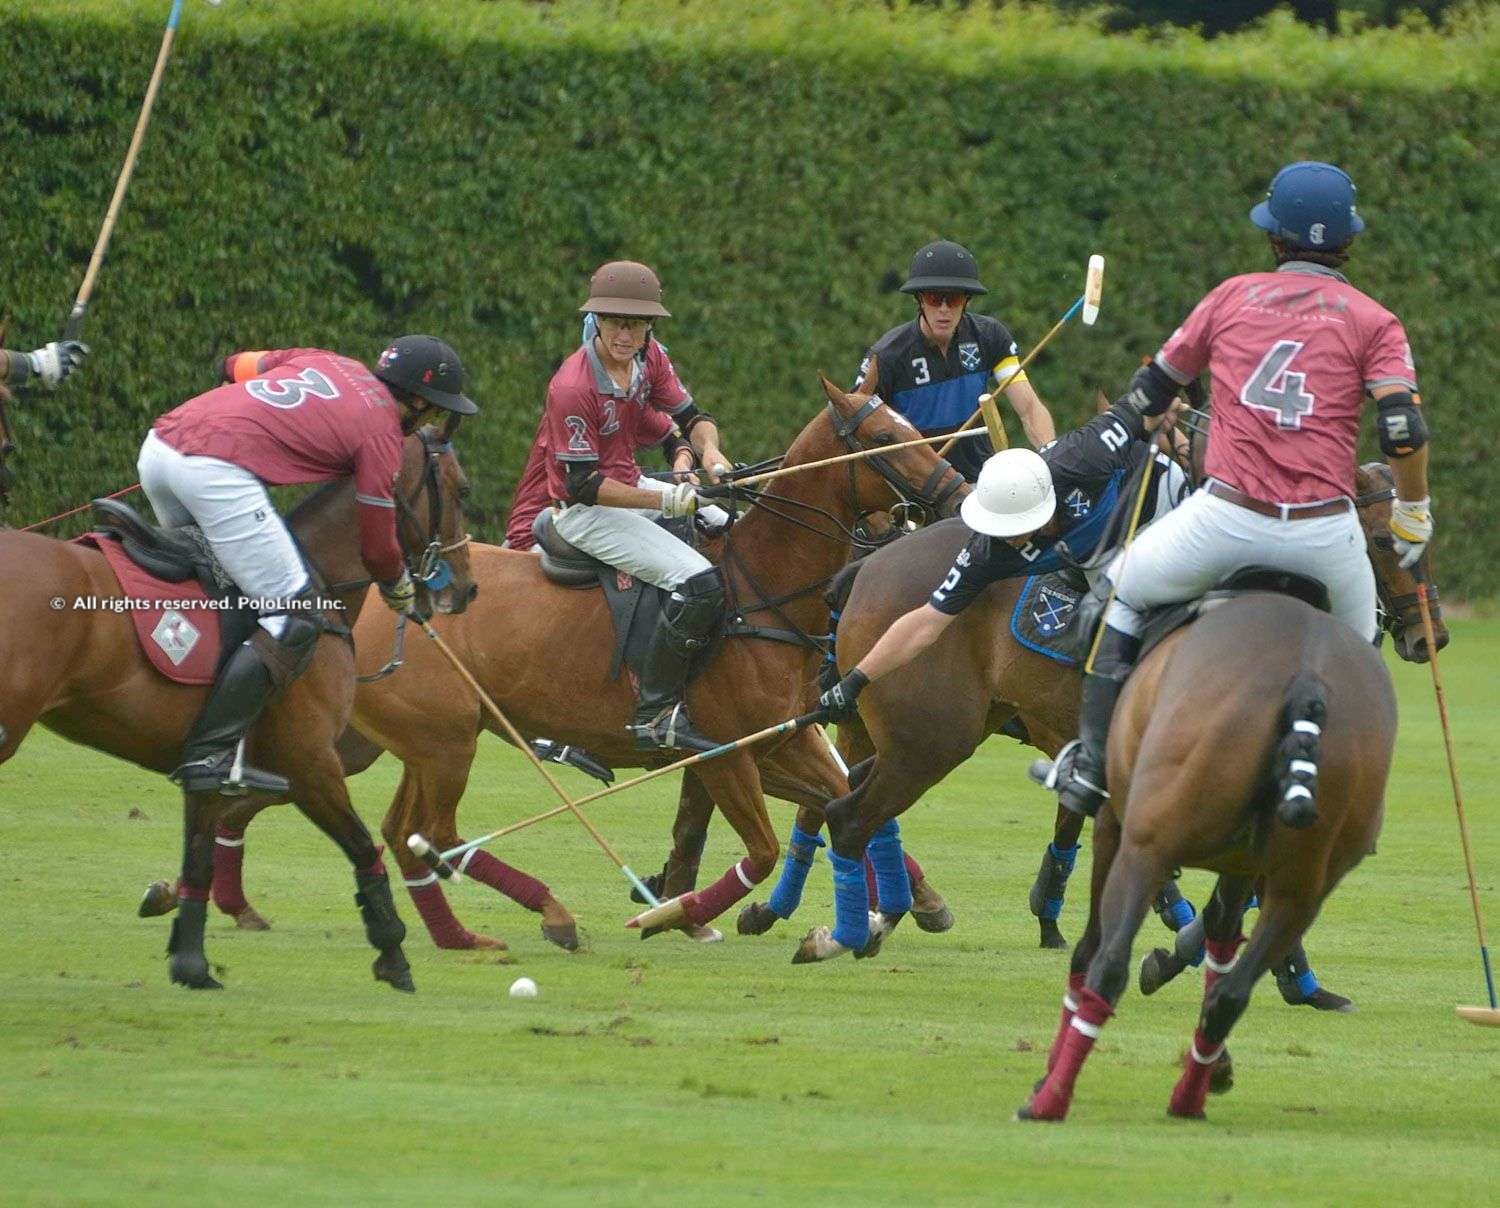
pixel 1276 388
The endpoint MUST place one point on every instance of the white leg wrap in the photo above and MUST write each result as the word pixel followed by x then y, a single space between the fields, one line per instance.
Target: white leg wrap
pixel 1091 1030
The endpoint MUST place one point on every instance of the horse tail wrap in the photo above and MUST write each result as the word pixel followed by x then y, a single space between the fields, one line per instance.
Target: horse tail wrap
pixel 1304 710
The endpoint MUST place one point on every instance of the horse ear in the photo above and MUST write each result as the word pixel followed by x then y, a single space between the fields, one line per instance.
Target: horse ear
pixel 835 395
pixel 1101 402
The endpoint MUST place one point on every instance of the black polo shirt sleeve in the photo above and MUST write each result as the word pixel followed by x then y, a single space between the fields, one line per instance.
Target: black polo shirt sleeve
pixel 1103 445
pixel 984 560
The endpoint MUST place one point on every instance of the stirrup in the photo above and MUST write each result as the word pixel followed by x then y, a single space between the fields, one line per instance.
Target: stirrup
pixel 1075 791
pixel 670 730
pixel 228 775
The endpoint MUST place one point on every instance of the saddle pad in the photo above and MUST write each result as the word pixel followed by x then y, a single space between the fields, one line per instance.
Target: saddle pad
pixel 1043 616
pixel 177 624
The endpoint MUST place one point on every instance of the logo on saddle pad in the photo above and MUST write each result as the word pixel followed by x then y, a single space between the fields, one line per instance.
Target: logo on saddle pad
pixel 968 356
pixel 176 636
pixel 1052 612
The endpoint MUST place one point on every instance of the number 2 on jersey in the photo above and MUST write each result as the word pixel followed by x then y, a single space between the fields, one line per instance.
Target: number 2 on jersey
pixel 293 391
pixel 1276 388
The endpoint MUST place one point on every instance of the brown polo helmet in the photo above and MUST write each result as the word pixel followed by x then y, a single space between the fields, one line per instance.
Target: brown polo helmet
pixel 623 287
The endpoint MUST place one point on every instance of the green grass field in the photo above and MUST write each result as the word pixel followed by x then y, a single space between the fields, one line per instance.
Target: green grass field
pixel 664 1072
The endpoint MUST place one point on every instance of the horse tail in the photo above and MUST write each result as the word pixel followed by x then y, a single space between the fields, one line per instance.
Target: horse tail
pixel 1303 711
pixel 839 588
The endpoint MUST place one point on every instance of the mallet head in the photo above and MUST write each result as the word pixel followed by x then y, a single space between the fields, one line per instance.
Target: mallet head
pixel 1093 289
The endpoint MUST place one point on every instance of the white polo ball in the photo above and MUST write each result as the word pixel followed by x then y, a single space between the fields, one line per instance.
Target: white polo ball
pixel 523 987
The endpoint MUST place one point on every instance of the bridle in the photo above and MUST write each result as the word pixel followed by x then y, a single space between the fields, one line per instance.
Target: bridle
pixel 1395 613
pixel 931 501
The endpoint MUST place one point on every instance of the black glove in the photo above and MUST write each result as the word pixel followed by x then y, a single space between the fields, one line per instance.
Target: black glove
pixel 839 703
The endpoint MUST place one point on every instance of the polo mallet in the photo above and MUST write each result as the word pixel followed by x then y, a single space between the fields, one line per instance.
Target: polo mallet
pixel 1088 303
pixel 419 845
pixel 74 327
pixel 1135 523
pixel 1488 1017
pixel 857 455
pixel 439 862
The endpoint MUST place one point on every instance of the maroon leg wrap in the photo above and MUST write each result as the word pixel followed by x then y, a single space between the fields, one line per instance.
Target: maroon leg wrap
pixel 1056 1094
pixel 913 870
pixel 229 857
pixel 520 888
pixel 705 904
pixel 442 923
pixel 1070 1001
pixel 1191 1091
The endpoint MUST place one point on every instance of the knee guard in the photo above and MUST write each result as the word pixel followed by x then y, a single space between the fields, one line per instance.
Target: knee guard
pixel 286 657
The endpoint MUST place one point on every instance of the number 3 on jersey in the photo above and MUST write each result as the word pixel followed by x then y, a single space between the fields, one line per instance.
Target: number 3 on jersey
pixel 1276 388
pixel 293 391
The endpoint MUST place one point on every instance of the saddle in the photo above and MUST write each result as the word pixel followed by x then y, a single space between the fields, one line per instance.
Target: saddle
pixel 172 555
pixel 1162 622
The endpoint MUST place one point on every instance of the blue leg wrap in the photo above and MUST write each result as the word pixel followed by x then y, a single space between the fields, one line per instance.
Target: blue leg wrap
pixel 892 884
pixel 801 850
pixel 851 902
pixel 1182 913
pixel 1065 858
pixel 1307 982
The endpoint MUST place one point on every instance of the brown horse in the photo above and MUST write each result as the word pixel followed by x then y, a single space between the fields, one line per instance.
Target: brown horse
pixel 543 651
pixel 1196 774
pixel 82 674
pixel 976 679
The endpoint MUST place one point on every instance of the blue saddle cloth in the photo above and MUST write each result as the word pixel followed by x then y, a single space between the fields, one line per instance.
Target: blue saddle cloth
pixel 1043 617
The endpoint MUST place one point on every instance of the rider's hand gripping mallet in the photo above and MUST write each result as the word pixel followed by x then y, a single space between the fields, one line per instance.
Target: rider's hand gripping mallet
pixel 416 842
pixel 74 326
pixel 1486 1016
pixel 1088 302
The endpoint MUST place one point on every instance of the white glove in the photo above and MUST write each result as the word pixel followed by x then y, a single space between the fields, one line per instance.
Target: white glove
pixel 1411 529
pixel 680 499
pixel 55 361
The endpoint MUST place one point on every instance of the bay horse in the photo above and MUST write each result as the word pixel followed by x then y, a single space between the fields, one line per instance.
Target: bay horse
pixel 81 673
pixel 1208 737
pixel 976 679
pixel 543 651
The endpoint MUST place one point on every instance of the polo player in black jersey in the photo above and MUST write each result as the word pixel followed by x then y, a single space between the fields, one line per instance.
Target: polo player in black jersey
pixel 934 368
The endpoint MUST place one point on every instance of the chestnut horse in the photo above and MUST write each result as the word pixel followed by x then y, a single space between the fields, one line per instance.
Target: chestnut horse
pixel 82 674
pixel 976 678
pixel 543 651
pixel 1196 773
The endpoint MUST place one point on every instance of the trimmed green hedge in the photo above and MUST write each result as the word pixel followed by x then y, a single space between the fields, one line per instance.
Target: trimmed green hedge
pixel 331 172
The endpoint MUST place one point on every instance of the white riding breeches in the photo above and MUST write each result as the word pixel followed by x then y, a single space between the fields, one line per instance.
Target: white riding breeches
pixel 1205 538
pixel 240 523
pixel 629 538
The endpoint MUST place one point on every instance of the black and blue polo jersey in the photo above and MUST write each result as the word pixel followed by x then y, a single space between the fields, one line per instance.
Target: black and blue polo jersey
pixel 936 392
pixel 1089 467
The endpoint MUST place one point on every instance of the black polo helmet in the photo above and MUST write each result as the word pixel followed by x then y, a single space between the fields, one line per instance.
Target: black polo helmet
pixel 428 368
pixel 943 265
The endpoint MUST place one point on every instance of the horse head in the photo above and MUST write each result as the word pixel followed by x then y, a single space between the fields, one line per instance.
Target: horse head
pixel 1395 587
pixel 921 481
pixel 430 492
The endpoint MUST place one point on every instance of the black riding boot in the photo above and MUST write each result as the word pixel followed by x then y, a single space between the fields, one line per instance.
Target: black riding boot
pixel 1084 790
pixel 208 756
pixel 689 617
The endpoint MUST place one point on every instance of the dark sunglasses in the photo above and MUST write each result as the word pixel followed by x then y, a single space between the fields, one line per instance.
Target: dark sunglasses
pixel 943 299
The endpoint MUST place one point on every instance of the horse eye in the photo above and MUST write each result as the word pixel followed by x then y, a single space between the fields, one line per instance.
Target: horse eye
pixel 886 438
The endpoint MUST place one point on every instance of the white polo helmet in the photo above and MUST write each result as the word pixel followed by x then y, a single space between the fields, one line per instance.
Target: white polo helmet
pixel 1013 496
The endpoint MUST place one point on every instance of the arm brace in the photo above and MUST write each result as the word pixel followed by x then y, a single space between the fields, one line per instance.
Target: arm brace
pixel 583 481
pixel 689 417
pixel 672 444
pixel 1399 424
pixel 17 368
pixel 1151 391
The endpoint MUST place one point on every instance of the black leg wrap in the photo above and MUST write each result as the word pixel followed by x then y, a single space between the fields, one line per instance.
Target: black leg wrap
pixel 383 926
pixel 187 964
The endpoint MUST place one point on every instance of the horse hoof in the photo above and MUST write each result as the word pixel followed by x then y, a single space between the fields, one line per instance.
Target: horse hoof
pixel 250 919
pixel 1157 970
pixel 703 935
pixel 1221 1080
pixel 159 898
pixel 817 945
pixel 881 925
pixel 1186 1115
pixel 191 970
pixel 1325 1000
pixel 935 921
pixel 391 967
pixel 756 919
pixel 565 936
pixel 487 943
pixel 1052 937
